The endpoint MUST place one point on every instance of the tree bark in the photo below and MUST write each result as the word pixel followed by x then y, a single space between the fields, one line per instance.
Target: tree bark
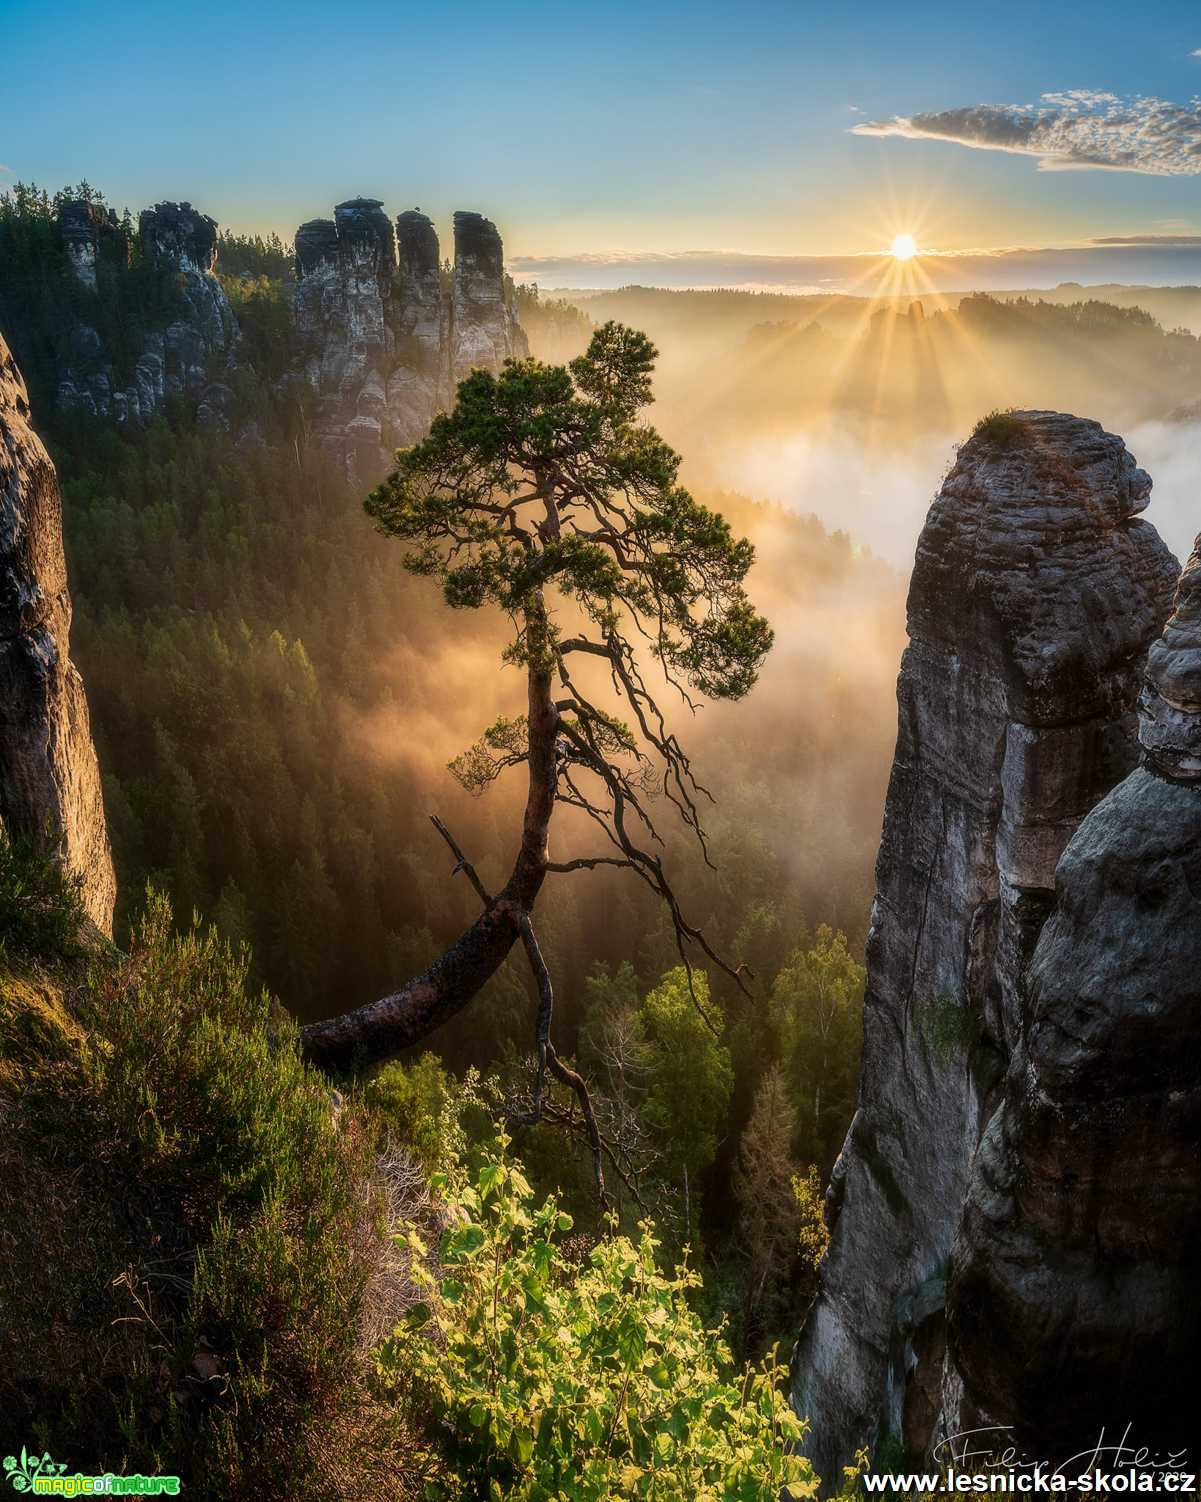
pixel 384 1027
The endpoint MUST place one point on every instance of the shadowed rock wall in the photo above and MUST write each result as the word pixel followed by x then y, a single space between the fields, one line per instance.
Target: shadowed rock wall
pixel 1075 1295
pixel 1035 595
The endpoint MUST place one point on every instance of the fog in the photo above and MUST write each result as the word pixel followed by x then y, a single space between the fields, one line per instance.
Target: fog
pixel 879 493
pixel 1171 455
pixel 850 410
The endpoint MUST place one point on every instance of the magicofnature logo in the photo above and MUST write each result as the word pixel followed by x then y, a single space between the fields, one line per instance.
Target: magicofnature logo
pixel 43 1477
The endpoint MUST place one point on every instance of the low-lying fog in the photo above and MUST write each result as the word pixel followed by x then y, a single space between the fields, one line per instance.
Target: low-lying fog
pixel 879 492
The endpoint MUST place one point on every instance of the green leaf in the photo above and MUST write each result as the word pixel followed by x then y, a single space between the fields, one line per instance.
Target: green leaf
pixel 521 1446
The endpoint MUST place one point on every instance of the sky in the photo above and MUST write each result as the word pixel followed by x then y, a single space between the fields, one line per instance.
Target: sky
pixel 602 133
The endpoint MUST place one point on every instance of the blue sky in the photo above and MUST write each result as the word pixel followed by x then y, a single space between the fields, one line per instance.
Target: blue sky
pixel 614 127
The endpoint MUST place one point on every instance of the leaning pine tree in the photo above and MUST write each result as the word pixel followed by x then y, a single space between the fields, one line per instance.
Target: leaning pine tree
pixel 541 494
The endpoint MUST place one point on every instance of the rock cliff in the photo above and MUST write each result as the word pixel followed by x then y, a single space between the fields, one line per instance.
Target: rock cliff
pixel 379 330
pixel 127 368
pixel 49 780
pixel 1077 1268
pixel 384 340
pixel 483 326
pixel 1035 595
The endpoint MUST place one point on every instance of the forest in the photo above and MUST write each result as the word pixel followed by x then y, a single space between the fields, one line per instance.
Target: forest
pixel 275 701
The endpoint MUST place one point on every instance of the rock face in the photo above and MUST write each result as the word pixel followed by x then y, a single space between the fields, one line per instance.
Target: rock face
pixel 1077 1266
pixel 90 233
pixel 184 241
pixel 1035 595
pixel 346 268
pixel 49 780
pixel 424 315
pixel 383 330
pixel 177 353
pixel 384 343
pixel 484 328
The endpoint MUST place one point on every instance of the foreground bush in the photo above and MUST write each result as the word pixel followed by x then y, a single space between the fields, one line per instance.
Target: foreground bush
pixel 188 1229
pixel 545 1369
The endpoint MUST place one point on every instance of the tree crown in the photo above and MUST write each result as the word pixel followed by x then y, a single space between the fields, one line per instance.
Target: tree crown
pixel 544 476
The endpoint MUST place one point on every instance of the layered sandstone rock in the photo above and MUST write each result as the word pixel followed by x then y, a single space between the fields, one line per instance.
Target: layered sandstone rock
pixel 49 780
pixel 383 334
pixel 182 239
pixel 1075 1293
pixel 1035 595
pixel 177 356
pixel 423 311
pixel 484 326
pixel 90 234
pixel 383 342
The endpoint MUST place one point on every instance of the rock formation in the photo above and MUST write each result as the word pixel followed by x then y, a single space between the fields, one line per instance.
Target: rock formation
pixel 90 233
pixel 382 332
pixel 184 241
pixel 384 344
pixel 49 780
pixel 1077 1268
pixel 346 268
pixel 483 326
pixel 423 314
pixel 173 356
pixel 1035 595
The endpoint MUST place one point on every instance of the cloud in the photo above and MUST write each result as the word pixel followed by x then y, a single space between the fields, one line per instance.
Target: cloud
pixel 9 170
pixel 1071 131
pixel 1146 240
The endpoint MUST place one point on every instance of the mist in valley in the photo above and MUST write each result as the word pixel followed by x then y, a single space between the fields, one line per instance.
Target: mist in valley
pixel 850 409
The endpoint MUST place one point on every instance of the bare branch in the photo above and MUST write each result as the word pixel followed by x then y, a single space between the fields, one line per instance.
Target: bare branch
pixel 548 1058
pixel 463 864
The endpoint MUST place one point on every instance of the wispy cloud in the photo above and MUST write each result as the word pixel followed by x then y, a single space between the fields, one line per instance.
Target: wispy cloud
pixel 9 170
pixel 1071 131
pixel 1146 240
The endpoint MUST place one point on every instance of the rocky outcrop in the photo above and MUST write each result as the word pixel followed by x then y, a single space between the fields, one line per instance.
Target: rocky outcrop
pixel 384 343
pixel 89 234
pixel 346 268
pixel 184 242
pixel 382 330
pixel 484 327
pixel 49 780
pixel 1035 595
pixel 175 354
pixel 423 311
pixel 1077 1268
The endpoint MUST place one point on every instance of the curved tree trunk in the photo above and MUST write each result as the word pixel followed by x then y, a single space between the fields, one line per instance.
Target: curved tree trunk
pixel 384 1027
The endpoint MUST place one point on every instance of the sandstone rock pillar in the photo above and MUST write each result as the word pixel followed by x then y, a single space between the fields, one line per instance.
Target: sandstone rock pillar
pixel 1035 595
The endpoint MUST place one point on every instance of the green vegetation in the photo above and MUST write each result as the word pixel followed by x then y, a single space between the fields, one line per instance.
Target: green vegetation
pixel 585 1376
pixel 260 257
pixel 816 1011
pixel 1001 431
pixel 275 701
pixel 239 1277
pixel 40 910
pixel 689 1076
pixel 950 1028
pixel 189 1294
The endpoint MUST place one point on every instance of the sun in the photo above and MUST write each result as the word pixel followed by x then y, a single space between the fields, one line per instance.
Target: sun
pixel 903 248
